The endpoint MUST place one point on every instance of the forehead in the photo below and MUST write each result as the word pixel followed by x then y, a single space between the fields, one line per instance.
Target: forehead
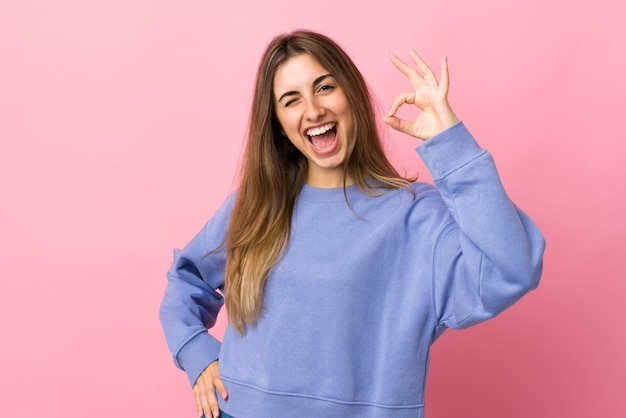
pixel 297 73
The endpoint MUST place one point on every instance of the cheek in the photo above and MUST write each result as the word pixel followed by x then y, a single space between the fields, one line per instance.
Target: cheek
pixel 290 129
pixel 290 125
pixel 348 119
pixel 344 108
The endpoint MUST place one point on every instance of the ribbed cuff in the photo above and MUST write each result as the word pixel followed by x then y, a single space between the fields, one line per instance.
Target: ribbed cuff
pixel 197 354
pixel 449 150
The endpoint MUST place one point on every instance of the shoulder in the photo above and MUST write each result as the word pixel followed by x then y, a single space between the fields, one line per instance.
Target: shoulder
pixel 425 207
pixel 419 200
pixel 226 207
pixel 216 226
pixel 426 194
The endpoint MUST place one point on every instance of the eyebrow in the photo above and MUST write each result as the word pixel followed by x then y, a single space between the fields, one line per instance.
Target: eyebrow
pixel 315 83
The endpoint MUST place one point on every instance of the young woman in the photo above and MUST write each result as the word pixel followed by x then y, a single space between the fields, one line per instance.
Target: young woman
pixel 339 274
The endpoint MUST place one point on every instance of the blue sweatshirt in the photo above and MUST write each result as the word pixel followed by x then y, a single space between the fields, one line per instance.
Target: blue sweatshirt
pixel 352 308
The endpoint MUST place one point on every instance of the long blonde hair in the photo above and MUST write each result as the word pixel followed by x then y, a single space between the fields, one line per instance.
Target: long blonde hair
pixel 273 171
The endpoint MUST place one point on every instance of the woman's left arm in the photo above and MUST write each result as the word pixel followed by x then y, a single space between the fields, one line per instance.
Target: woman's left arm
pixel 492 253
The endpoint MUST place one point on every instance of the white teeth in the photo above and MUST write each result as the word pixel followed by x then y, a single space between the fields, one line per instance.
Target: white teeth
pixel 321 129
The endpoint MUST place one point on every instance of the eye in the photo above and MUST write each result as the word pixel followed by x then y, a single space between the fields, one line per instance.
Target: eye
pixel 326 87
pixel 290 102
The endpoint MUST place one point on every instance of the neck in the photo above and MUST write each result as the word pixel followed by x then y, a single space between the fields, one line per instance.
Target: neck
pixel 328 178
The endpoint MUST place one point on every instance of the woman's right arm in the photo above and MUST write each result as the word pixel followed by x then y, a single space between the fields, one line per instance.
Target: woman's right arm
pixel 191 304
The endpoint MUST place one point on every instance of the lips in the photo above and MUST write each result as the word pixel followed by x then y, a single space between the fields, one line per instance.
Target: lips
pixel 323 138
pixel 320 129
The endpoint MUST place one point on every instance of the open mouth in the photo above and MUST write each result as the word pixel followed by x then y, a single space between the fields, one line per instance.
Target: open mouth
pixel 323 137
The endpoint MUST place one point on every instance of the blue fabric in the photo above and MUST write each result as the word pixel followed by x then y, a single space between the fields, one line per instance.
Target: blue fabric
pixel 361 291
pixel 222 415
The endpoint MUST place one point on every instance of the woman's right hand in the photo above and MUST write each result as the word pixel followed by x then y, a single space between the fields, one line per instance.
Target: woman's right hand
pixel 204 391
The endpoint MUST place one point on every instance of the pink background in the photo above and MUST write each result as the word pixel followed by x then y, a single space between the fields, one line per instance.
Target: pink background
pixel 121 125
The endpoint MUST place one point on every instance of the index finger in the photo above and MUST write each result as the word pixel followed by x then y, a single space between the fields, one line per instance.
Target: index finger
pixel 219 385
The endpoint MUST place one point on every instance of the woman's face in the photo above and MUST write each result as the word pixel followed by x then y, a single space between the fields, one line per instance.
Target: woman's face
pixel 314 113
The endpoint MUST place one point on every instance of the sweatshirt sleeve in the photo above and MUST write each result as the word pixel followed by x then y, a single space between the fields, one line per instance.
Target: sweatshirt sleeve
pixel 491 255
pixel 191 301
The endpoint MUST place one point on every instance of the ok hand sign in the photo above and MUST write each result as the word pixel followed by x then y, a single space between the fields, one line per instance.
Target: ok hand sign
pixel 430 96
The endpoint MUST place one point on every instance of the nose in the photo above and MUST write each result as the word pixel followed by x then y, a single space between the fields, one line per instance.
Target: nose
pixel 314 110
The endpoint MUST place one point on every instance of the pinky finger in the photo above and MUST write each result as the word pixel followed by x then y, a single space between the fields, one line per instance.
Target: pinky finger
pixel 445 75
pixel 199 409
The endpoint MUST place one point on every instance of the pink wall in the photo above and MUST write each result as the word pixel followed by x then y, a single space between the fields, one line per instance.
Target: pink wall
pixel 121 125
